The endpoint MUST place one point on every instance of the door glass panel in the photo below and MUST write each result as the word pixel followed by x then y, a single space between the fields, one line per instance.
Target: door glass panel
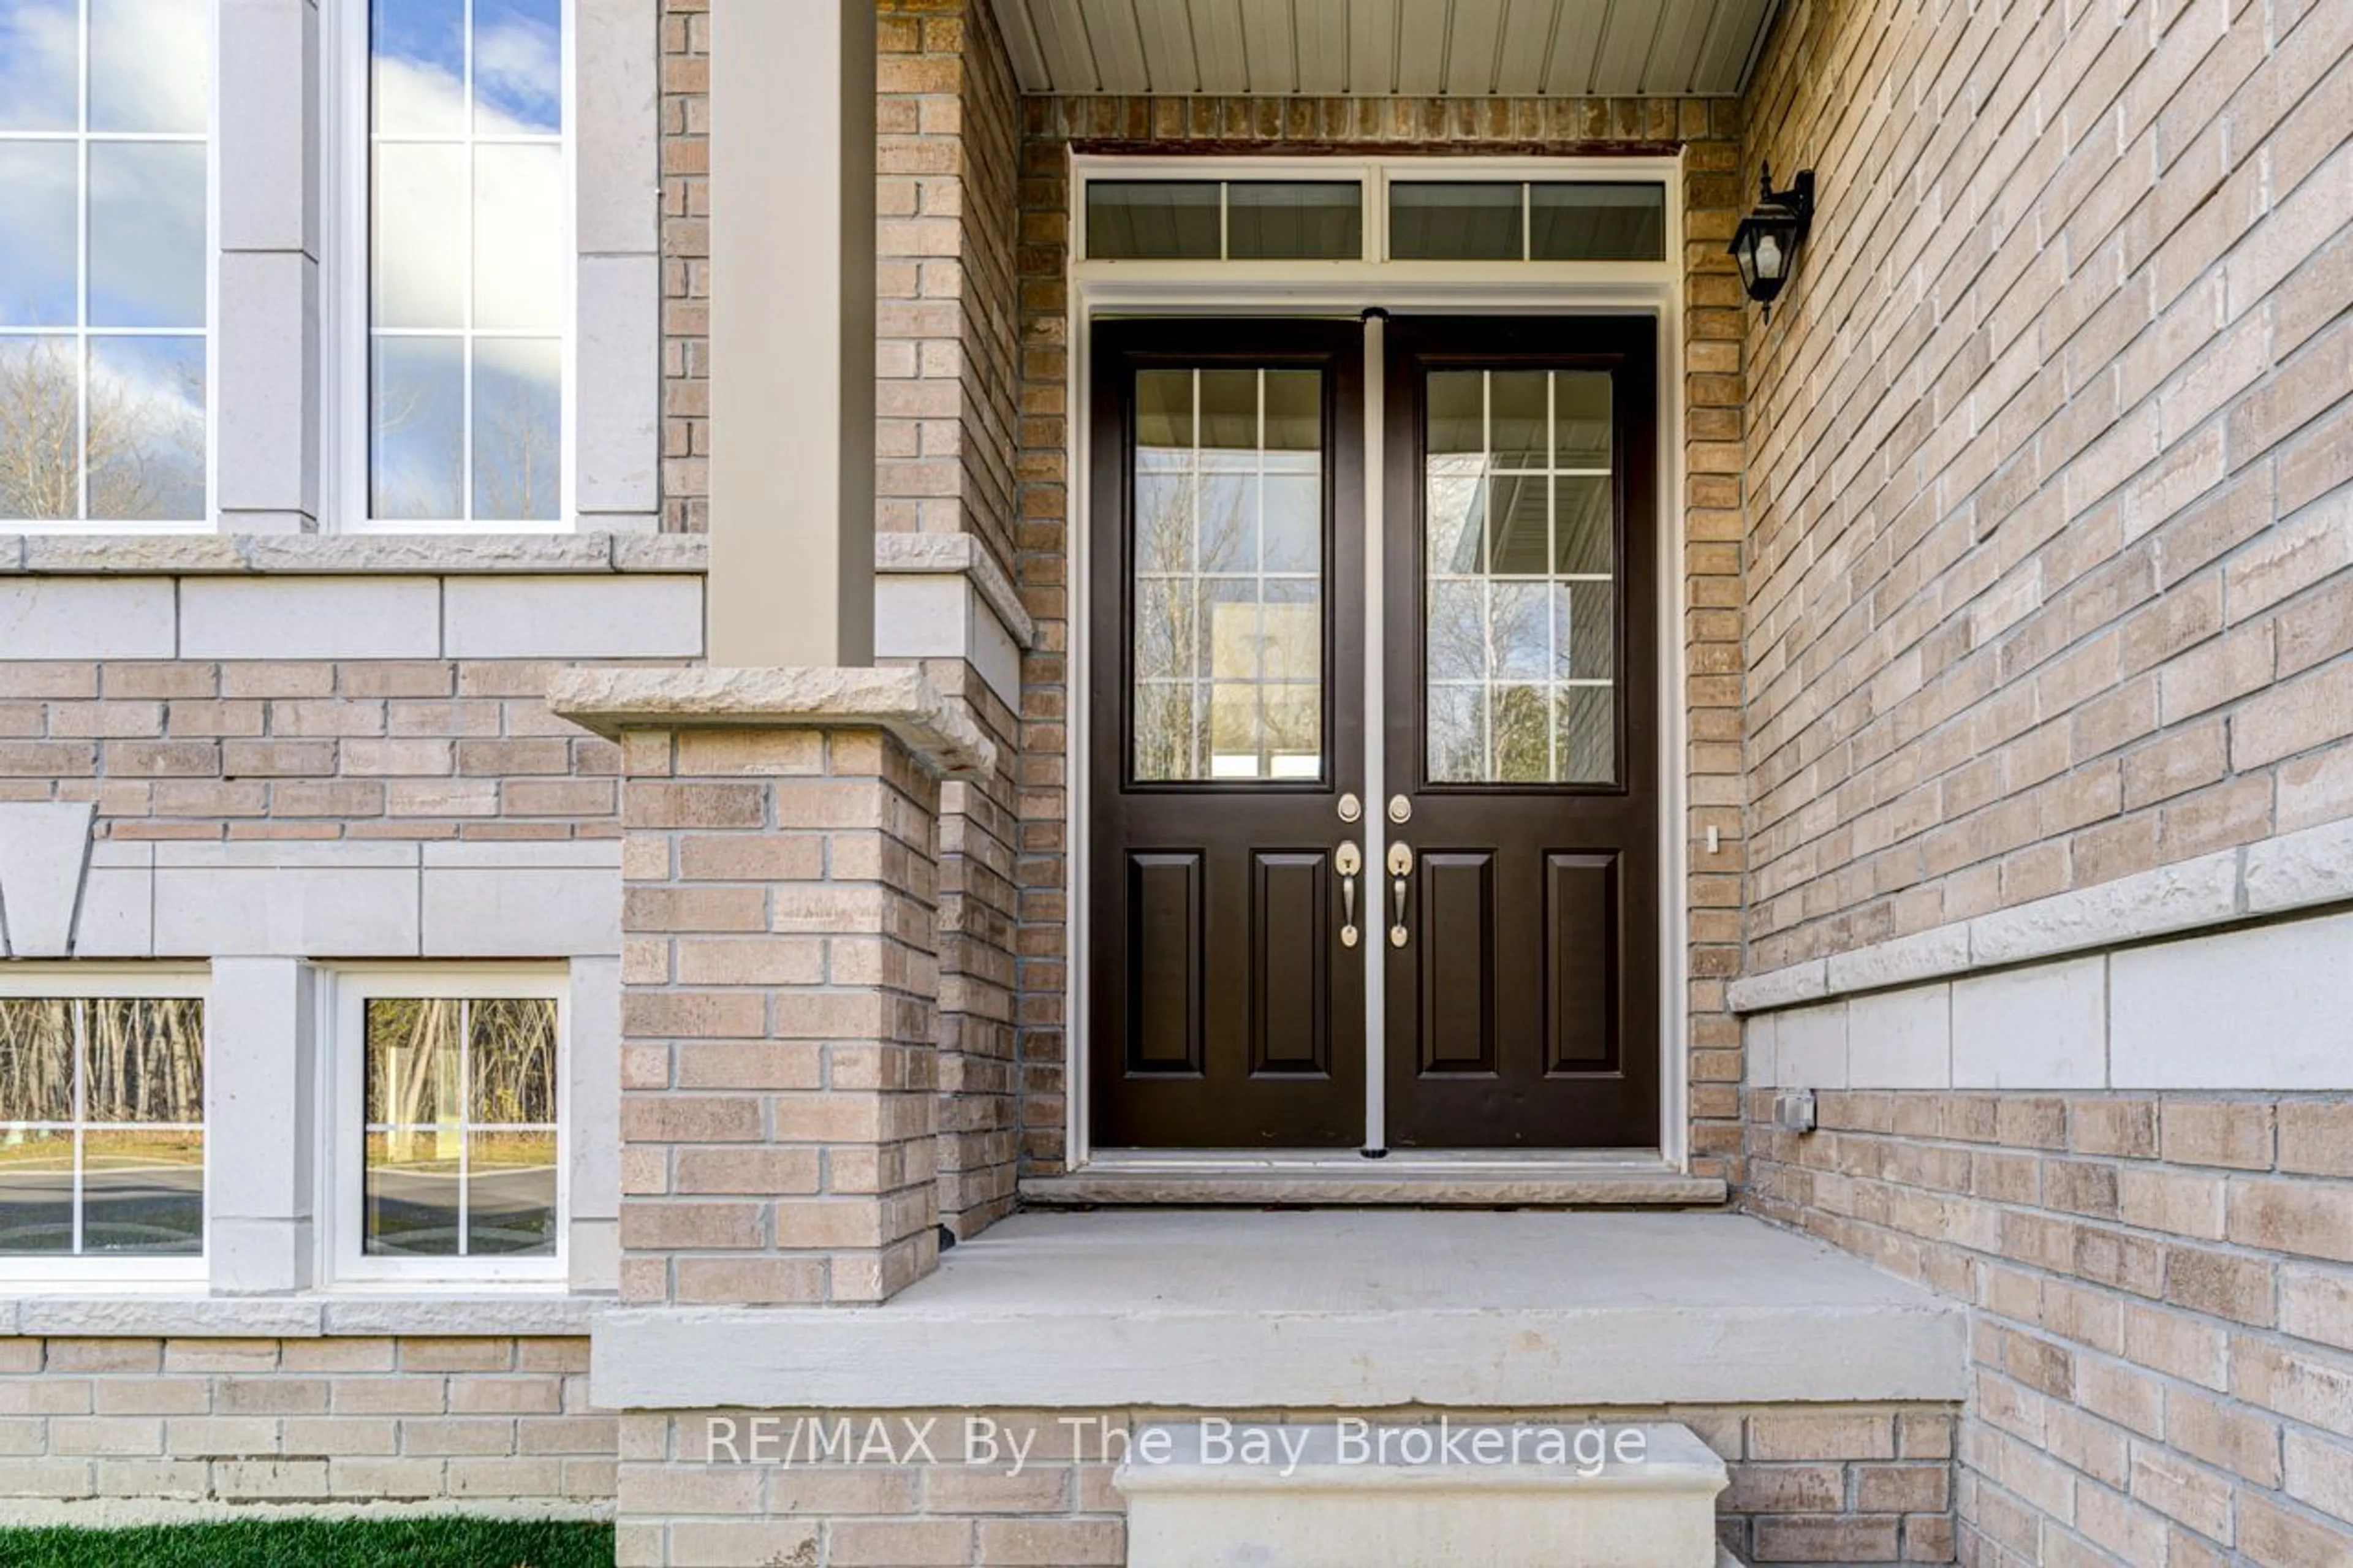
pixel 1520 630
pixel 1228 547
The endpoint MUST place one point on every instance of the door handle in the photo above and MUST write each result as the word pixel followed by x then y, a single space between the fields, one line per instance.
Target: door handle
pixel 1348 861
pixel 1400 867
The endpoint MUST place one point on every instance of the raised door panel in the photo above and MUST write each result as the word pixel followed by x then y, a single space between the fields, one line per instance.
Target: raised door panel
pixel 1581 955
pixel 1164 905
pixel 1290 919
pixel 1457 937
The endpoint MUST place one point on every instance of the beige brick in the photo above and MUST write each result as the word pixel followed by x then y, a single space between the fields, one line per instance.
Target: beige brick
pixel 2179 1204
pixel 778 1541
pixel 2313 1219
pixel 2233 1439
pixel 2317 1136
pixel 1055 1542
pixel 1779 1435
pixel 751 1281
pixel 907 1543
pixel 2218 1132
pixel 106 1356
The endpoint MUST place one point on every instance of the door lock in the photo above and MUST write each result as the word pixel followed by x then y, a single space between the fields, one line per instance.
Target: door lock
pixel 1400 809
pixel 1400 867
pixel 1351 808
pixel 1348 861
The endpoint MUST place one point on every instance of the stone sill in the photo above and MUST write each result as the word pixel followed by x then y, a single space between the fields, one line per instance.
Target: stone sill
pixel 82 1312
pixel 348 555
pixel 1322 1309
pixel 2283 876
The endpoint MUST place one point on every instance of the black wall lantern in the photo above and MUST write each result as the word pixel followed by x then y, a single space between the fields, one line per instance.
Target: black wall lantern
pixel 1766 243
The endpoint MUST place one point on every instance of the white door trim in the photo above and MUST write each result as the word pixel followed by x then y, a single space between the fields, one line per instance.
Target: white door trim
pixel 1105 288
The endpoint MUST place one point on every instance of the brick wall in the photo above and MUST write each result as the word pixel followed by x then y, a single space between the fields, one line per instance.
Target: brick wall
pixel 2047 449
pixel 1816 1484
pixel 686 265
pixel 2163 1342
pixel 500 1425
pixel 947 125
pixel 949 121
pixel 429 749
pixel 778 1085
pixel 1710 518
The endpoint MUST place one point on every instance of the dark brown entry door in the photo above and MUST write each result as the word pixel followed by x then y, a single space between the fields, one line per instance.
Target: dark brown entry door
pixel 1509 836
pixel 1224 696
pixel 1520 659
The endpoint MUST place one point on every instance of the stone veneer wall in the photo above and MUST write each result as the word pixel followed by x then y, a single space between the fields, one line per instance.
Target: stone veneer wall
pixel 117 1429
pixel 1709 515
pixel 1811 1484
pixel 2047 450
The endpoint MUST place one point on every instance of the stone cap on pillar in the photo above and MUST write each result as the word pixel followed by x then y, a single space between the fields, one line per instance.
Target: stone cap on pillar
pixel 899 700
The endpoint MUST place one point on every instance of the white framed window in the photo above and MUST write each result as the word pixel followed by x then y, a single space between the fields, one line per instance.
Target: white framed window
pixel 106 282
pixel 452 307
pixel 446 1107
pixel 102 1168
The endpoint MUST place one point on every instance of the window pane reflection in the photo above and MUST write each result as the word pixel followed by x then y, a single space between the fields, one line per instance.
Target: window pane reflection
pixel 1228 546
pixel 1520 630
pixel 102 1126
pixel 104 210
pixel 462 1151
pixel 469 260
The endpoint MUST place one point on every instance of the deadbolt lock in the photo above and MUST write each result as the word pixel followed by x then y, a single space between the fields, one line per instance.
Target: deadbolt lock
pixel 1400 809
pixel 1351 808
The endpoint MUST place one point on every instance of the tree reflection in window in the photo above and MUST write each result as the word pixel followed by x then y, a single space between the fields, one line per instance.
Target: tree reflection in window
pixel 461 1127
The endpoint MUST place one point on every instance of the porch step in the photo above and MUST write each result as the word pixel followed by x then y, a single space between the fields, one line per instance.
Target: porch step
pixel 1324 1186
pixel 1384 1495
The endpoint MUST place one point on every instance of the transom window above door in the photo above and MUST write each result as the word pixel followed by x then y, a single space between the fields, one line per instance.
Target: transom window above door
pixel 1417 211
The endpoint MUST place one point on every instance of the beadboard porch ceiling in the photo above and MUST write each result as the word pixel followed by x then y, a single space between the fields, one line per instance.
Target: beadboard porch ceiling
pixel 1386 48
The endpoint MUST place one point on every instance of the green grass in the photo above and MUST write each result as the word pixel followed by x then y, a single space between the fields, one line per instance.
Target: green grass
pixel 318 1543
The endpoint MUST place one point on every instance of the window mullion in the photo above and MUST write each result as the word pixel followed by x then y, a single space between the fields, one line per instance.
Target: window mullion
pixel 80 1012
pixel 81 366
pixel 466 348
pixel 465 1080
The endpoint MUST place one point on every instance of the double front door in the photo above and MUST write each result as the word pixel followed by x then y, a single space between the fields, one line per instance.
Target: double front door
pixel 1374 790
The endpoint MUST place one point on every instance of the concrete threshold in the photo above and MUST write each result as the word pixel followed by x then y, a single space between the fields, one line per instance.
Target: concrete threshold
pixel 1373 1184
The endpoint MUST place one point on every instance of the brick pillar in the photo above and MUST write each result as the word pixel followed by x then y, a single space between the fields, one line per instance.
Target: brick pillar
pixel 780 980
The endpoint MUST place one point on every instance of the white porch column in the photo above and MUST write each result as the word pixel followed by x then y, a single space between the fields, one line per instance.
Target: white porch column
pixel 266 332
pixel 792 333
pixel 261 1032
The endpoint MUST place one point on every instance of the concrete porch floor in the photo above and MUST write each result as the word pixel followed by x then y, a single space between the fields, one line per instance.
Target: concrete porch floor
pixel 1323 1309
